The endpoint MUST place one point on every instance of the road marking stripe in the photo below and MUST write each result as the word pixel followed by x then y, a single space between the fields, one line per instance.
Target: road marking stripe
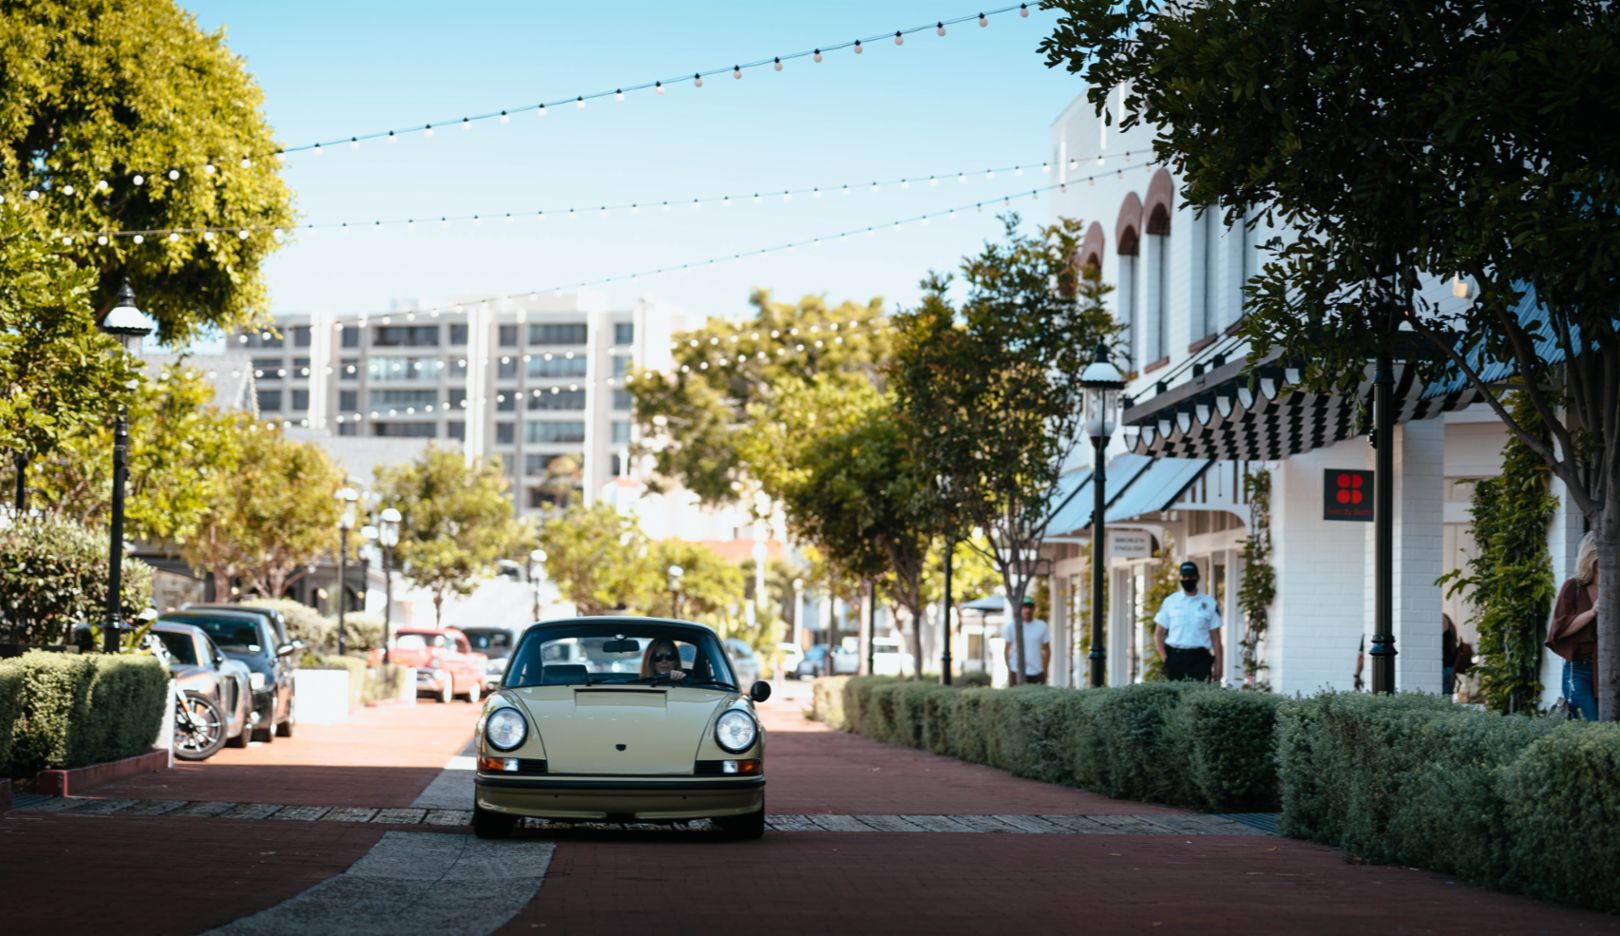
pixel 439 883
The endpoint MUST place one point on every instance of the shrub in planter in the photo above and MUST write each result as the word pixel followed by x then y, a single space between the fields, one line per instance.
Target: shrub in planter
pixel 1024 735
pixel 911 712
pixel 53 575
pixel 382 682
pixel 303 623
pixel 361 630
pixel 84 709
pixel 11 683
pixel 827 701
pixel 1563 815
pixel 967 735
pixel 356 667
pixel 1080 738
pixel 1229 746
pixel 877 709
pixel 941 708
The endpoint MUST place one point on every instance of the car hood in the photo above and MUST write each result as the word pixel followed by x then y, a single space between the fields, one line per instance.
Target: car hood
pixel 622 730
pixel 255 661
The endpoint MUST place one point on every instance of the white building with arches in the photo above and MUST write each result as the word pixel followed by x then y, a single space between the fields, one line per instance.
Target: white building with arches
pixel 1200 416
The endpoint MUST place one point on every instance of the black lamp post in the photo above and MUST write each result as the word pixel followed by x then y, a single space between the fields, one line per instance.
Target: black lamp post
pixel 944 483
pixel 1102 382
pixel 347 497
pixel 129 325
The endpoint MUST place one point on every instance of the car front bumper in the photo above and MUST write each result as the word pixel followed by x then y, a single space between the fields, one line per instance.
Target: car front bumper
pixel 264 708
pixel 620 798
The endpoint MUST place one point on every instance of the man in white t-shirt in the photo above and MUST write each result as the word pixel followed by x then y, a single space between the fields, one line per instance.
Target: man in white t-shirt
pixel 1188 634
pixel 1037 647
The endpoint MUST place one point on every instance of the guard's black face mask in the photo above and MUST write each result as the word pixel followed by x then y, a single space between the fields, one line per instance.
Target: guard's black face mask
pixel 1189 584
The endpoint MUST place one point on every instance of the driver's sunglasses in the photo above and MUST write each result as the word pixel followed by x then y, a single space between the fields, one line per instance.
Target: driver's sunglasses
pixel 661 656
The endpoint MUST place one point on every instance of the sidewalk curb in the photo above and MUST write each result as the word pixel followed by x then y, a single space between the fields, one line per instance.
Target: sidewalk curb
pixel 79 779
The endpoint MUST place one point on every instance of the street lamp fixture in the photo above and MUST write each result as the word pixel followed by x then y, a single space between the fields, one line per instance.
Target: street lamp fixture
pixel 129 325
pixel 1102 383
pixel 537 559
pixel 675 573
pixel 347 497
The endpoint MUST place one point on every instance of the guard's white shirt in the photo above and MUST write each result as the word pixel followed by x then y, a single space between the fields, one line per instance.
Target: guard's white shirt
pixel 1188 619
pixel 1035 637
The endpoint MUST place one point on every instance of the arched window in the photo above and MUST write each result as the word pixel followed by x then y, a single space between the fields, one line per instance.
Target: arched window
pixel 1157 209
pixel 1128 244
pixel 1091 248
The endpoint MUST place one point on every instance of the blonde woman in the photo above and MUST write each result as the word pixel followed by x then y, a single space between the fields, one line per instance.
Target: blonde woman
pixel 662 659
pixel 1573 631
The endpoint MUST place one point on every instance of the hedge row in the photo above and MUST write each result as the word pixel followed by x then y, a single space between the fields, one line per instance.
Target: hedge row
pixel 61 710
pixel 1516 803
pixel 1180 743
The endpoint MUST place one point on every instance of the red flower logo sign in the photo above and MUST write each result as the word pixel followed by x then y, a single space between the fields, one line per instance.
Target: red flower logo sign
pixel 1349 489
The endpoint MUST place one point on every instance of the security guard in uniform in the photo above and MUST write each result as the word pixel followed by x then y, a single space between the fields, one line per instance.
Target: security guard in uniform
pixel 1188 631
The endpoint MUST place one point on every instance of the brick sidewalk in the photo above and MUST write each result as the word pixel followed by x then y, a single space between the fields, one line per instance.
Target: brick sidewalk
pixel 381 757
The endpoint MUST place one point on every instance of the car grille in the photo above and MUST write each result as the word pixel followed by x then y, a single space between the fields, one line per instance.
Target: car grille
pixel 711 768
pixel 531 766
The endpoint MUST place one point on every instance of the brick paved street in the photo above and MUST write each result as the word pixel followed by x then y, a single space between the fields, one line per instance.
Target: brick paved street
pixel 865 838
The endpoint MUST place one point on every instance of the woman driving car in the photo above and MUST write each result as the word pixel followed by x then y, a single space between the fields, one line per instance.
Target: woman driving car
pixel 662 660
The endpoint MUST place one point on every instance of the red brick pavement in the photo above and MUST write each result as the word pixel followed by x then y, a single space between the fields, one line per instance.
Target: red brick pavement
pixel 125 875
pixel 810 769
pixel 975 884
pixel 381 756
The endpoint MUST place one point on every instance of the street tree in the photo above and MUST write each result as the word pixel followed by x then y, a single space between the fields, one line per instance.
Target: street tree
pixel 457 520
pixel 1400 141
pixel 128 117
pixel 59 377
pixel 725 368
pixel 179 442
pixel 271 517
pixel 710 589
pixel 600 559
pixel 987 389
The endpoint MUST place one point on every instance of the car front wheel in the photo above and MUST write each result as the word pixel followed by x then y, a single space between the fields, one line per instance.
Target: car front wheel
pixel 492 825
pixel 446 691
pixel 473 692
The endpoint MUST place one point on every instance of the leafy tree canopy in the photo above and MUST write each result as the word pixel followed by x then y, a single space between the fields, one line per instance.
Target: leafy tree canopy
pixel 599 559
pixel 457 521
pixel 1400 140
pixel 725 368
pixel 113 89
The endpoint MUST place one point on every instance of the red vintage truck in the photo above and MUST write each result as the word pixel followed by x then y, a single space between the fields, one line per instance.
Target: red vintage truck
pixel 445 662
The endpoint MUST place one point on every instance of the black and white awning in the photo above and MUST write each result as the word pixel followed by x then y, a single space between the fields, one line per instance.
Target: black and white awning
pixel 1264 413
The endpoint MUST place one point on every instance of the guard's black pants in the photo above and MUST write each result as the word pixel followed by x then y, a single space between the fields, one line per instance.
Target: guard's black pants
pixel 1193 664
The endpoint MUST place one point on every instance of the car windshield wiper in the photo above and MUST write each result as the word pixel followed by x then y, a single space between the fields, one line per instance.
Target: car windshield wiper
pixel 708 683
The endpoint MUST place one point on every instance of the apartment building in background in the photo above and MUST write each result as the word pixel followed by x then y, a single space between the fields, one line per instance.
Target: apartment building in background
pixel 538 382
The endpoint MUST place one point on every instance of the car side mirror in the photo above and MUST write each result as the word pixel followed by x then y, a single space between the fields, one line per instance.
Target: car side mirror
pixel 288 649
pixel 760 692
pixel 299 645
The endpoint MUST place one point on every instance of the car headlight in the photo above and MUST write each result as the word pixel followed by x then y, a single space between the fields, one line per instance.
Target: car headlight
pixel 256 680
pixel 505 728
pixel 495 666
pixel 736 730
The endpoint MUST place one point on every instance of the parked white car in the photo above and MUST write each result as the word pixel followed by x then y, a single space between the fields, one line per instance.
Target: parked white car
pixel 891 658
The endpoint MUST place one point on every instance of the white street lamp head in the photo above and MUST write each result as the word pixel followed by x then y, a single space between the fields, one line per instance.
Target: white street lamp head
pixel 347 494
pixel 1102 382
pixel 538 555
pixel 676 571
pixel 368 532
pixel 125 321
pixel 390 515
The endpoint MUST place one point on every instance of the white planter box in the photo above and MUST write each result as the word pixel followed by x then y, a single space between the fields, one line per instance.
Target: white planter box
pixel 323 695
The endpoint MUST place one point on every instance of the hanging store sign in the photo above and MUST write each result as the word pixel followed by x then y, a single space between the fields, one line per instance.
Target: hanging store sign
pixel 1347 495
pixel 1130 544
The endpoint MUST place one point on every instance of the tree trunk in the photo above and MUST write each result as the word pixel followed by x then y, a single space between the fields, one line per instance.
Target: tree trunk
pixel 1607 687
pixel 20 501
pixel 438 607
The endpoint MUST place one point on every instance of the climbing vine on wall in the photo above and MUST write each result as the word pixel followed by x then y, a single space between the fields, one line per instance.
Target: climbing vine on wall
pixel 1163 580
pixel 1259 585
pixel 1510 577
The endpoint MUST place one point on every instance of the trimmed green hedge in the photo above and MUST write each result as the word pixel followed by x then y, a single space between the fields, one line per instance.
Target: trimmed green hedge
pixel 71 710
pixel 1505 801
pixel 1188 745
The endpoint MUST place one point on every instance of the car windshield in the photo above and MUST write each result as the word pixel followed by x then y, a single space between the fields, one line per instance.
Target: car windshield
pixel 180 647
pixel 227 632
pixel 413 641
pixel 619 652
pixel 496 644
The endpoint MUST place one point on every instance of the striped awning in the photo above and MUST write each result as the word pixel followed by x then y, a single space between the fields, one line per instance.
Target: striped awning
pixel 1264 413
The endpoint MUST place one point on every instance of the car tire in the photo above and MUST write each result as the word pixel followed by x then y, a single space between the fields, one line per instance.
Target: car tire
pixel 241 739
pixel 212 724
pixel 446 691
pixel 747 827
pixel 474 692
pixel 285 729
pixel 492 825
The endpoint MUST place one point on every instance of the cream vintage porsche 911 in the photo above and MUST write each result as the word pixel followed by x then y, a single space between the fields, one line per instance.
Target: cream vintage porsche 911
pixel 621 719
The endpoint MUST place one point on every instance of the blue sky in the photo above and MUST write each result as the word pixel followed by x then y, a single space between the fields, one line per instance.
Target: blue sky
pixel 973 99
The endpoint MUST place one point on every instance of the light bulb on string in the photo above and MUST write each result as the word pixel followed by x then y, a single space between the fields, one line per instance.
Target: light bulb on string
pixel 618 94
pixel 940 28
pixel 697 80
pixel 876 188
pixel 540 111
pixel 658 87
pixel 579 102
pixel 817 56
pixel 466 124
pixel 777 63
pixel 392 138
pixel 989 175
pixel 898 38
pixel 208 168
pixel 101 185
pixel 246 163
pixel 961 177
pixel 905 183
pixel 736 71
pixel 102 240
pixel 67 190
pixel 354 143
pixel 505 118
pixel 983 21
pixel 138 180
pixel 858 48
pixel 140 239
pixel 1023 10
pixel 427 130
